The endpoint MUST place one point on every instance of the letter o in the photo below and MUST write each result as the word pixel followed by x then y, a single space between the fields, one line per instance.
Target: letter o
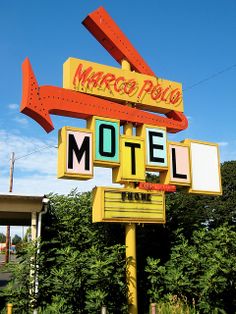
pixel 119 88
pixel 130 86
pixel 175 96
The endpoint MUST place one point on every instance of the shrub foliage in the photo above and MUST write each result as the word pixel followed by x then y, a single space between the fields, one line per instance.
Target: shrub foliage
pixel 81 267
pixel 202 271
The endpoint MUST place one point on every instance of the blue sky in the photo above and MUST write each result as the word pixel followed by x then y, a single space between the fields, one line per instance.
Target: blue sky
pixel 183 41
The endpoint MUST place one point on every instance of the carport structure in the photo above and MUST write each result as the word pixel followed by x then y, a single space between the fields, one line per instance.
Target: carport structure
pixel 23 210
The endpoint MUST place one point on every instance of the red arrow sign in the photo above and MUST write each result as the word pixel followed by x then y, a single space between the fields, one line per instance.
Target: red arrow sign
pixel 39 101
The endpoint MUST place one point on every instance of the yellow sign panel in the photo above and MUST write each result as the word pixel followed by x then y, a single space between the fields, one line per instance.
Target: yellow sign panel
pixel 132 165
pixel 178 172
pixel 148 92
pixel 205 168
pixel 106 143
pixel 128 205
pixel 75 153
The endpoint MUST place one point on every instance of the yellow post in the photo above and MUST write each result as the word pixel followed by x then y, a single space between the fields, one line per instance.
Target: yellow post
pixel 131 276
pixel 9 308
pixel 130 238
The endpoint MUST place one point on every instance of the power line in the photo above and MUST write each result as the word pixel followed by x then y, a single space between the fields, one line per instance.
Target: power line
pixel 36 151
pixel 210 77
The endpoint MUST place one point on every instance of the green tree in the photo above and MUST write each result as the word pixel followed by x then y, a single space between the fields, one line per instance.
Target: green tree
pixel 202 271
pixel 190 213
pixel 223 208
pixel 16 239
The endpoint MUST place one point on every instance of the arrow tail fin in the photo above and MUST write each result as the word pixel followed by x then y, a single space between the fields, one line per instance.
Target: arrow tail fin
pixel 31 104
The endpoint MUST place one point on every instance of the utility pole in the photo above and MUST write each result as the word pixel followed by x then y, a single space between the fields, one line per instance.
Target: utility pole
pixel 12 162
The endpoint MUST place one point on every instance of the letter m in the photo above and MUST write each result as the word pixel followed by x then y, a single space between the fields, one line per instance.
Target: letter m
pixel 74 151
pixel 81 76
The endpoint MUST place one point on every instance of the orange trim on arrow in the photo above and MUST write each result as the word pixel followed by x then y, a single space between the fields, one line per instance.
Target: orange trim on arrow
pixel 40 101
pixel 110 36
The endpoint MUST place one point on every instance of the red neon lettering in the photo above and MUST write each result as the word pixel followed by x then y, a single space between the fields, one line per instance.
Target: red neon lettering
pixel 143 185
pixel 147 86
pixel 130 87
pixel 157 187
pixel 163 98
pixel 175 96
pixel 107 79
pixel 156 92
pixel 81 76
pixel 94 79
pixel 116 88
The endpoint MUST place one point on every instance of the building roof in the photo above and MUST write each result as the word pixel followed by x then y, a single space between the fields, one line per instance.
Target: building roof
pixel 15 210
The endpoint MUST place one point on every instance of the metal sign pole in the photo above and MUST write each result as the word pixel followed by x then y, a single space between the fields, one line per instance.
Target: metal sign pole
pixel 130 237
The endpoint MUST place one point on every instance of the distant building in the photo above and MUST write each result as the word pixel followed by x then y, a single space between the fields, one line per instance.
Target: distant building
pixel 3 247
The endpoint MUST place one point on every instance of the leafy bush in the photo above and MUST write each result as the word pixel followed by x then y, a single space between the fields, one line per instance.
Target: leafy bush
pixel 203 270
pixel 81 265
pixel 20 289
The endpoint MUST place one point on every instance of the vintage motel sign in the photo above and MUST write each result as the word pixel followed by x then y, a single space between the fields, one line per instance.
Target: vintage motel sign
pixel 99 93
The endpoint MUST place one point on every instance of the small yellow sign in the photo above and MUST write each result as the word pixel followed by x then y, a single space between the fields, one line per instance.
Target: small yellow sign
pixel 148 92
pixel 128 205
